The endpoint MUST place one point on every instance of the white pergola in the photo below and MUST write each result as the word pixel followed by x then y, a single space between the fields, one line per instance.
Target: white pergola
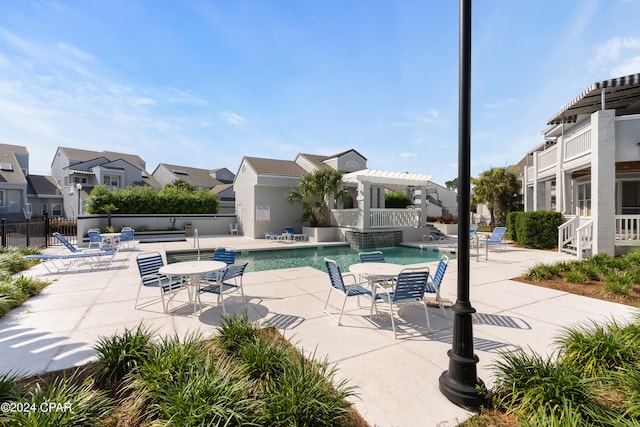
pixel 366 179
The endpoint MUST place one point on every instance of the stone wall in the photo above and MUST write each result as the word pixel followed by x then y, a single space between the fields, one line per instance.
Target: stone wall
pixel 369 240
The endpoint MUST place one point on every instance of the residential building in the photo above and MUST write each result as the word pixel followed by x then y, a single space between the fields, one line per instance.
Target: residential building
pixel 261 186
pixel 588 168
pixel 14 168
pixel 219 181
pixel 77 171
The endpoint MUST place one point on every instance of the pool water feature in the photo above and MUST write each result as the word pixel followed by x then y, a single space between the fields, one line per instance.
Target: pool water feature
pixel 314 257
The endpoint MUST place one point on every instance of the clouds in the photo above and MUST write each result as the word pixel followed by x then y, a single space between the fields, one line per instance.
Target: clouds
pixel 618 56
pixel 233 119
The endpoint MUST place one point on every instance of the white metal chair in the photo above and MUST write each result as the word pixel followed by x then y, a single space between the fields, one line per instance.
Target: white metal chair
pixel 233 229
pixel 337 283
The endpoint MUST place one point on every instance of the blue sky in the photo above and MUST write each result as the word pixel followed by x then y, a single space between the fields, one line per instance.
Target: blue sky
pixel 202 83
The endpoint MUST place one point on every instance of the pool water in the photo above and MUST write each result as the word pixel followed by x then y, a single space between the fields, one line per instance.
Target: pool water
pixel 314 257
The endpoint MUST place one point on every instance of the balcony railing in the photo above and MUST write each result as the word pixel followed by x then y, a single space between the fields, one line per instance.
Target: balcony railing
pixel 627 229
pixel 578 145
pixel 378 218
pixel 547 159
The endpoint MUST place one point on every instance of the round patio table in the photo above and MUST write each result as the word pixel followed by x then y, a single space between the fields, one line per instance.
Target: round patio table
pixel 191 271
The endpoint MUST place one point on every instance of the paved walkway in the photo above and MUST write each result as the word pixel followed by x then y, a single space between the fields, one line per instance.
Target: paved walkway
pixel 397 380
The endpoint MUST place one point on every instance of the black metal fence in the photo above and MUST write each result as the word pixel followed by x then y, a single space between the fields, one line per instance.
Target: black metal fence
pixel 37 232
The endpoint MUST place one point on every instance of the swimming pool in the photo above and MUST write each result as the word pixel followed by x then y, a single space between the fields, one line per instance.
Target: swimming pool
pixel 314 257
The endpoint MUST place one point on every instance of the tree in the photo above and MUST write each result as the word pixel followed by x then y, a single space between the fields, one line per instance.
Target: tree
pixel 499 188
pixel 314 193
pixel 181 183
pixel 452 185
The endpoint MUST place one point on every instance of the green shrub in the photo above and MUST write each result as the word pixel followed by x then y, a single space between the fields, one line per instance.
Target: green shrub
pixel 541 272
pixel 122 353
pixel 234 332
pixel 618 282
pixel 598 349
pixel 397 200
pixel 538 229
pixel 512 225
pixel 265 358
pixel 305 395
pixel 576 276
pixel 76 404
pixel 528 383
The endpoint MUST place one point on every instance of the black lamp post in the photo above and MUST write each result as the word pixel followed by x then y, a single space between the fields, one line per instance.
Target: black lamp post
pixel 460 384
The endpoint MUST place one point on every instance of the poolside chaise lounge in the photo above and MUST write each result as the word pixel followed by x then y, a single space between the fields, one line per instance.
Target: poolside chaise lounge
pixel 272 235
pixel 291 233
pixel 60 263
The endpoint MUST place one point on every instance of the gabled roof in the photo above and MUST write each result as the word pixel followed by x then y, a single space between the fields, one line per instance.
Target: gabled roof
pixel 319 161
pixel 43 185
pixel 81 156
pixel 10 171
pixel 195 176
pixel 274 167
pixel 621 94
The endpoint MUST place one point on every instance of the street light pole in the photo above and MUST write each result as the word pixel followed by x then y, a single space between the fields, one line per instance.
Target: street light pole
pixel 460 384
pixel 79 187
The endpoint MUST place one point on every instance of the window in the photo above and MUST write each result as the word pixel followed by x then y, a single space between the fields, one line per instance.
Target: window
pixel 111 180
pixel 56 209
pixel 14 200
pixel 1 198
pixel 584 199
pixel 45 208
pixel 630 194
pixel 80 179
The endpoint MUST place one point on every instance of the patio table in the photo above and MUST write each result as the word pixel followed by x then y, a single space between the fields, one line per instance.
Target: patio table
pixel 191 271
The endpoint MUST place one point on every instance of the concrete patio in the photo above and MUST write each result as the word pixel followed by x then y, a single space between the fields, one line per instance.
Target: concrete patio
pixel 396 380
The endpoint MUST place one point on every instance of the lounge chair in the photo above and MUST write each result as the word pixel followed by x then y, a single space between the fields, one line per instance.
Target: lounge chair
pixel 231 281
pixel 74 249
pixel 127 237
pixel 435 282
pixel 336 279
pixel 149 264
pixel 272 235
pixel 291 233
pixel 61 263
pixel 95 239
pixel 372 256
pixel 409 288
pixel 495 239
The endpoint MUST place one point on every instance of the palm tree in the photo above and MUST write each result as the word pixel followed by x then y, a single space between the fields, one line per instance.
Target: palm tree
pixel 314 193
pixel 499 188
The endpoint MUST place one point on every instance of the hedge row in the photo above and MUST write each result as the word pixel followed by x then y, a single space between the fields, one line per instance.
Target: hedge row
pixel 148 200
pixel 537 230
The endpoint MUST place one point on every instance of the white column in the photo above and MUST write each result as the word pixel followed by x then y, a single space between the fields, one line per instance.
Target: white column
pixel 364 205
pixel 535 181
pixel 603 180
pixel 423 206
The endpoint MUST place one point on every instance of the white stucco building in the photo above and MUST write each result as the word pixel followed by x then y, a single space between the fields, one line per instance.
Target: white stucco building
pixel 261 188
pixel 588 168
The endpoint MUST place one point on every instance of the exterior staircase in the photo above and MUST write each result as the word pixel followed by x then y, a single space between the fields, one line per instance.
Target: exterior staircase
pixel 575 237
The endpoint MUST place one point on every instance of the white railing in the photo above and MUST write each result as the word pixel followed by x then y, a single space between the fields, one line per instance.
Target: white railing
pixel 628 229
pixel 584 238
pixel 567 231
pixel 548 158
pixel 578 145
pixel 344 217
pixel 385 218
pixel 530 173
pixel 378 218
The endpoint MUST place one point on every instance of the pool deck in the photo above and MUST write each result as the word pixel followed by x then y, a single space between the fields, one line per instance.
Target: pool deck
pixel 396 379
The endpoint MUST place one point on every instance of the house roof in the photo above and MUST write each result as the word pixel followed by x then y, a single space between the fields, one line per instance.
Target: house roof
pixel 195 176
pixel 43 185
pixel 386 177
pixel 10 170
pixel 621 94
pixel 318 160
pixel 274 167
pixel 79 155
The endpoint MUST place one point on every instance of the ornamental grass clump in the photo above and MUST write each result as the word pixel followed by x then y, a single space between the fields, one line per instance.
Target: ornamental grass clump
pixel 595 350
